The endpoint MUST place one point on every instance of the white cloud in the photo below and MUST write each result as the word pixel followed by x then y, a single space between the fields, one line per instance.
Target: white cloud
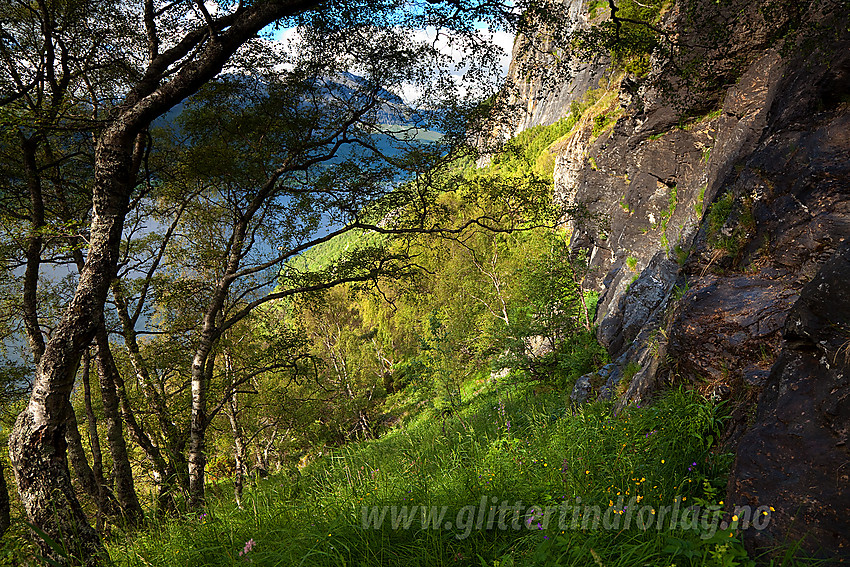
pixel 505 41
pixel 446 45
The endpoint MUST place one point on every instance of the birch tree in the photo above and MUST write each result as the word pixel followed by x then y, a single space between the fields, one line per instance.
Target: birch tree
pixel 110 70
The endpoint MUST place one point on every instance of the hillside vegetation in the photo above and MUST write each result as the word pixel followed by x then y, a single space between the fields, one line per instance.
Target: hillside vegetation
pixel 505 446
pixel 409 446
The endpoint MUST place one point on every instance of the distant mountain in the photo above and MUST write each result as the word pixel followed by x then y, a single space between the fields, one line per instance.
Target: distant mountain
pixel 391 110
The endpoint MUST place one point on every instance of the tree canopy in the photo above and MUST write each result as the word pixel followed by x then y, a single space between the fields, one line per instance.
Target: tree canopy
pixel 169 154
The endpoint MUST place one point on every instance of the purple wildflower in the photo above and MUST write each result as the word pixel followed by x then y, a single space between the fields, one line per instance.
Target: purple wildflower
pixel 249 545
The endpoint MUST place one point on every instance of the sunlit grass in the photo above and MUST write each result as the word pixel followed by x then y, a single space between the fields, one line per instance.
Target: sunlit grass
pixel 504 444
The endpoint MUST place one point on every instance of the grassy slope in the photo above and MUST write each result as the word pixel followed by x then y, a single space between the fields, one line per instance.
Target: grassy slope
pixel 508 442
pixel 505 444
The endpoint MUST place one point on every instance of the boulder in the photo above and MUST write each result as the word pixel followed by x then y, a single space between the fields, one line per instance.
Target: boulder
pixel 724 326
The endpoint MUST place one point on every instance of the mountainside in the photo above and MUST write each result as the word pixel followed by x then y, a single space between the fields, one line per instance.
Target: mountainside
pixel 545 99
pixel 719 212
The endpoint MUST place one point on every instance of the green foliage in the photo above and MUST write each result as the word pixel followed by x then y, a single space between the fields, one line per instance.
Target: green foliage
pixel 667 214
pixel 475 298
pixel 328 253
pixel 730 222
pixel 629 372
pixel 503 443
pixel 437 361
pixel 529 152
pixel 629 42
pixel 631 262
pixel 682 254
pixel 595 6
pixel 552 314
pixel 698 206
pixel 603 121
pixel 639 65
pixel 576 357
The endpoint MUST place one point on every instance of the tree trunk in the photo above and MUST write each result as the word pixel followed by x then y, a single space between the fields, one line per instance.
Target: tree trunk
pixel 37 446
pixel 91 484
pixel 263 465
pixel 164 472
pixel 122 472
pixel 175 440
pixel 38 454
pixel 198 427
pixel 239 453
pixel 35 243
pixel 4 503
pixel 106 498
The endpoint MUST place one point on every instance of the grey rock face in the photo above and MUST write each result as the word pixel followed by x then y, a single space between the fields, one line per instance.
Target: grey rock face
pixel 724 325
pixel 713 297
pixel 582 389
pixel 539 99
pixel 795 456
pixel 612 375
pixel 606 377
pixel 624 321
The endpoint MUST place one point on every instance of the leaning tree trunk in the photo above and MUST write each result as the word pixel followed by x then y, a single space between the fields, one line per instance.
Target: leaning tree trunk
pixel 90 480
pixel 37 447
pixel 37 441
pixel 122 473
pixel 175 440
pixel 35 243
pixel 164 472
pixel 107 499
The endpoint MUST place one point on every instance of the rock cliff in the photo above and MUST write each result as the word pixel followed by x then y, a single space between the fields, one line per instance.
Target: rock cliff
pixel 541 98
pixel 723 258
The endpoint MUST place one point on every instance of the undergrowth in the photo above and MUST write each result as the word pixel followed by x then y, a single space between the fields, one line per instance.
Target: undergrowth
pixel 506 445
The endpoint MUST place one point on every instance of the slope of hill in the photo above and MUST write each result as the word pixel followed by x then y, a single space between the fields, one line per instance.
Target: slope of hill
pixel 721 173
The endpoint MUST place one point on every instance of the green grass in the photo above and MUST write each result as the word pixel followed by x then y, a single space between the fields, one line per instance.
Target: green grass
pixel 681 254
pixel 730 242
pixel 666 215
pixel 698 205
pixel 629 372
pixel 689 122
pixel 504 444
